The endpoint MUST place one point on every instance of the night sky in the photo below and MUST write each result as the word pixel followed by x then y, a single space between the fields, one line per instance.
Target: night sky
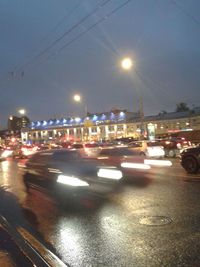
pixel 51 49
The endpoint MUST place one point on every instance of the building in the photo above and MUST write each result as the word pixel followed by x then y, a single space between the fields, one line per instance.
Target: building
pixel 17 123
pixel 109 125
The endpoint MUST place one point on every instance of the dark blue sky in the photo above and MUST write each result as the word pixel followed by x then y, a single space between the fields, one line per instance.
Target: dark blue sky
pixel 162 37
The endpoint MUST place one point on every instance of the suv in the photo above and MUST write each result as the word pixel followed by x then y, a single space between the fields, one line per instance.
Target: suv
pixel 173 146
pixel 190 159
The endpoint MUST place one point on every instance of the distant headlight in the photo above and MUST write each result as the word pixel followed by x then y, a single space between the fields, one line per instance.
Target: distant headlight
pixel 71 180
pixel 140 166
pixel 110 174
pixel 6 153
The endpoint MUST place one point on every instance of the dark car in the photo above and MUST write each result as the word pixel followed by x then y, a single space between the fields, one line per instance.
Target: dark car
pixel 174 145
pixel 190 159
pixel 127 160
pixel 67 172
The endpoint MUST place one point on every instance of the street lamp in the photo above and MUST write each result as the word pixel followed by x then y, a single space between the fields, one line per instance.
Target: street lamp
pixel 77 98
pixel 127 65
pixel 22 111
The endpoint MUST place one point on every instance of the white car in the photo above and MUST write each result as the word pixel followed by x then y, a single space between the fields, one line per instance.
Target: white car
pixel 150 149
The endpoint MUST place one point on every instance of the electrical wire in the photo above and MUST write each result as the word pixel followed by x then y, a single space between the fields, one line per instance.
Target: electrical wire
pixel 76 25
pixel 12 72
pixel 86 31
pixel 197 21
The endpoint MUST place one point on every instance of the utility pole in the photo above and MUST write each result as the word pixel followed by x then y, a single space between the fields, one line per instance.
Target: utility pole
pixel 141 111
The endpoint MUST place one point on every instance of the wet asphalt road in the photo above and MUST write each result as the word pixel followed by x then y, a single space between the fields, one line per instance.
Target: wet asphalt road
pixel 153 221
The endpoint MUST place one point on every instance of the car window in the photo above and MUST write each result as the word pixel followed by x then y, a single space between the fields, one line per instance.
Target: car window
pixel 41 157
pixel 77 146
pixel 90 145
pixel 124 152
pixel 66 156
pixel 105 152
pixel 153 144
pixel 135 144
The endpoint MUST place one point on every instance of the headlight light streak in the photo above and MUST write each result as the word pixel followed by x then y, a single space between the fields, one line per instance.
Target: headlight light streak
pixel 109 174
pixel 71 180
pixel 155 162
pixel 6 153
pixel 140 166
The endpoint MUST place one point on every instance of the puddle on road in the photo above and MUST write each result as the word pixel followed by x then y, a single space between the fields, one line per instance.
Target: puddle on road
pixel 155 220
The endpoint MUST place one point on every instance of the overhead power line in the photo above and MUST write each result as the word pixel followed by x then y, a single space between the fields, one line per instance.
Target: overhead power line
pixel 86 31
pixel 17 72
pixel 196 20
pixel 94 25
pixel 76 25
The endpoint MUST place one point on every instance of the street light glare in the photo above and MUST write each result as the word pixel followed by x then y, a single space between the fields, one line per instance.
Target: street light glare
pixel 127 63
pixel 22 111
pixel 77 98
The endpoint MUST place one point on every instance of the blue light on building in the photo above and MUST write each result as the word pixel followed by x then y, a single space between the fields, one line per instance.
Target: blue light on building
pixel 112 116
pixel 95 118
pixel 122 115
pixel 103 117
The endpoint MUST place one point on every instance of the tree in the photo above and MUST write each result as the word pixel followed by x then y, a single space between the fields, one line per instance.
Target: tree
pixel 182 107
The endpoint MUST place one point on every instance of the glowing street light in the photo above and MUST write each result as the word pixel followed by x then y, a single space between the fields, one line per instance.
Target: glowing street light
pixel 127 63
pixel 77 98
pixel 22 111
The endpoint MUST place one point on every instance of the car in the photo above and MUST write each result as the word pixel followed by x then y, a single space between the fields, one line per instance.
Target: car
pixel 190 159
pixel 86 149
pixel 24 151
pixel 173 146
pixel 127 160
pixel 150 149
pixel 66 172
pixel 91 149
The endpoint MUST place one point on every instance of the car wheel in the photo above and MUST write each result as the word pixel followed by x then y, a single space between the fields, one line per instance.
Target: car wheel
pixel 172 154
pixel 190 164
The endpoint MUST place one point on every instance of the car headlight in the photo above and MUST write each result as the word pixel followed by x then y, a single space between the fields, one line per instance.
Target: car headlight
pixel 110 174
pixel 71 180
pixel 158 162
pixel 131 165
pixel 6 153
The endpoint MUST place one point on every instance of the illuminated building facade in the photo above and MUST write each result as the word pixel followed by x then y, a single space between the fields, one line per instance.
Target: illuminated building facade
pixel 108 126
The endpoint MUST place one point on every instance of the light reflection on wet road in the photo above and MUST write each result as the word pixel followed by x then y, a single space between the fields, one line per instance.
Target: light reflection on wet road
pixel 107 232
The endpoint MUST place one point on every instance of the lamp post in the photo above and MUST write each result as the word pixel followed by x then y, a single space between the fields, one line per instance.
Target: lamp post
pixel 77 98
pixel 127 65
